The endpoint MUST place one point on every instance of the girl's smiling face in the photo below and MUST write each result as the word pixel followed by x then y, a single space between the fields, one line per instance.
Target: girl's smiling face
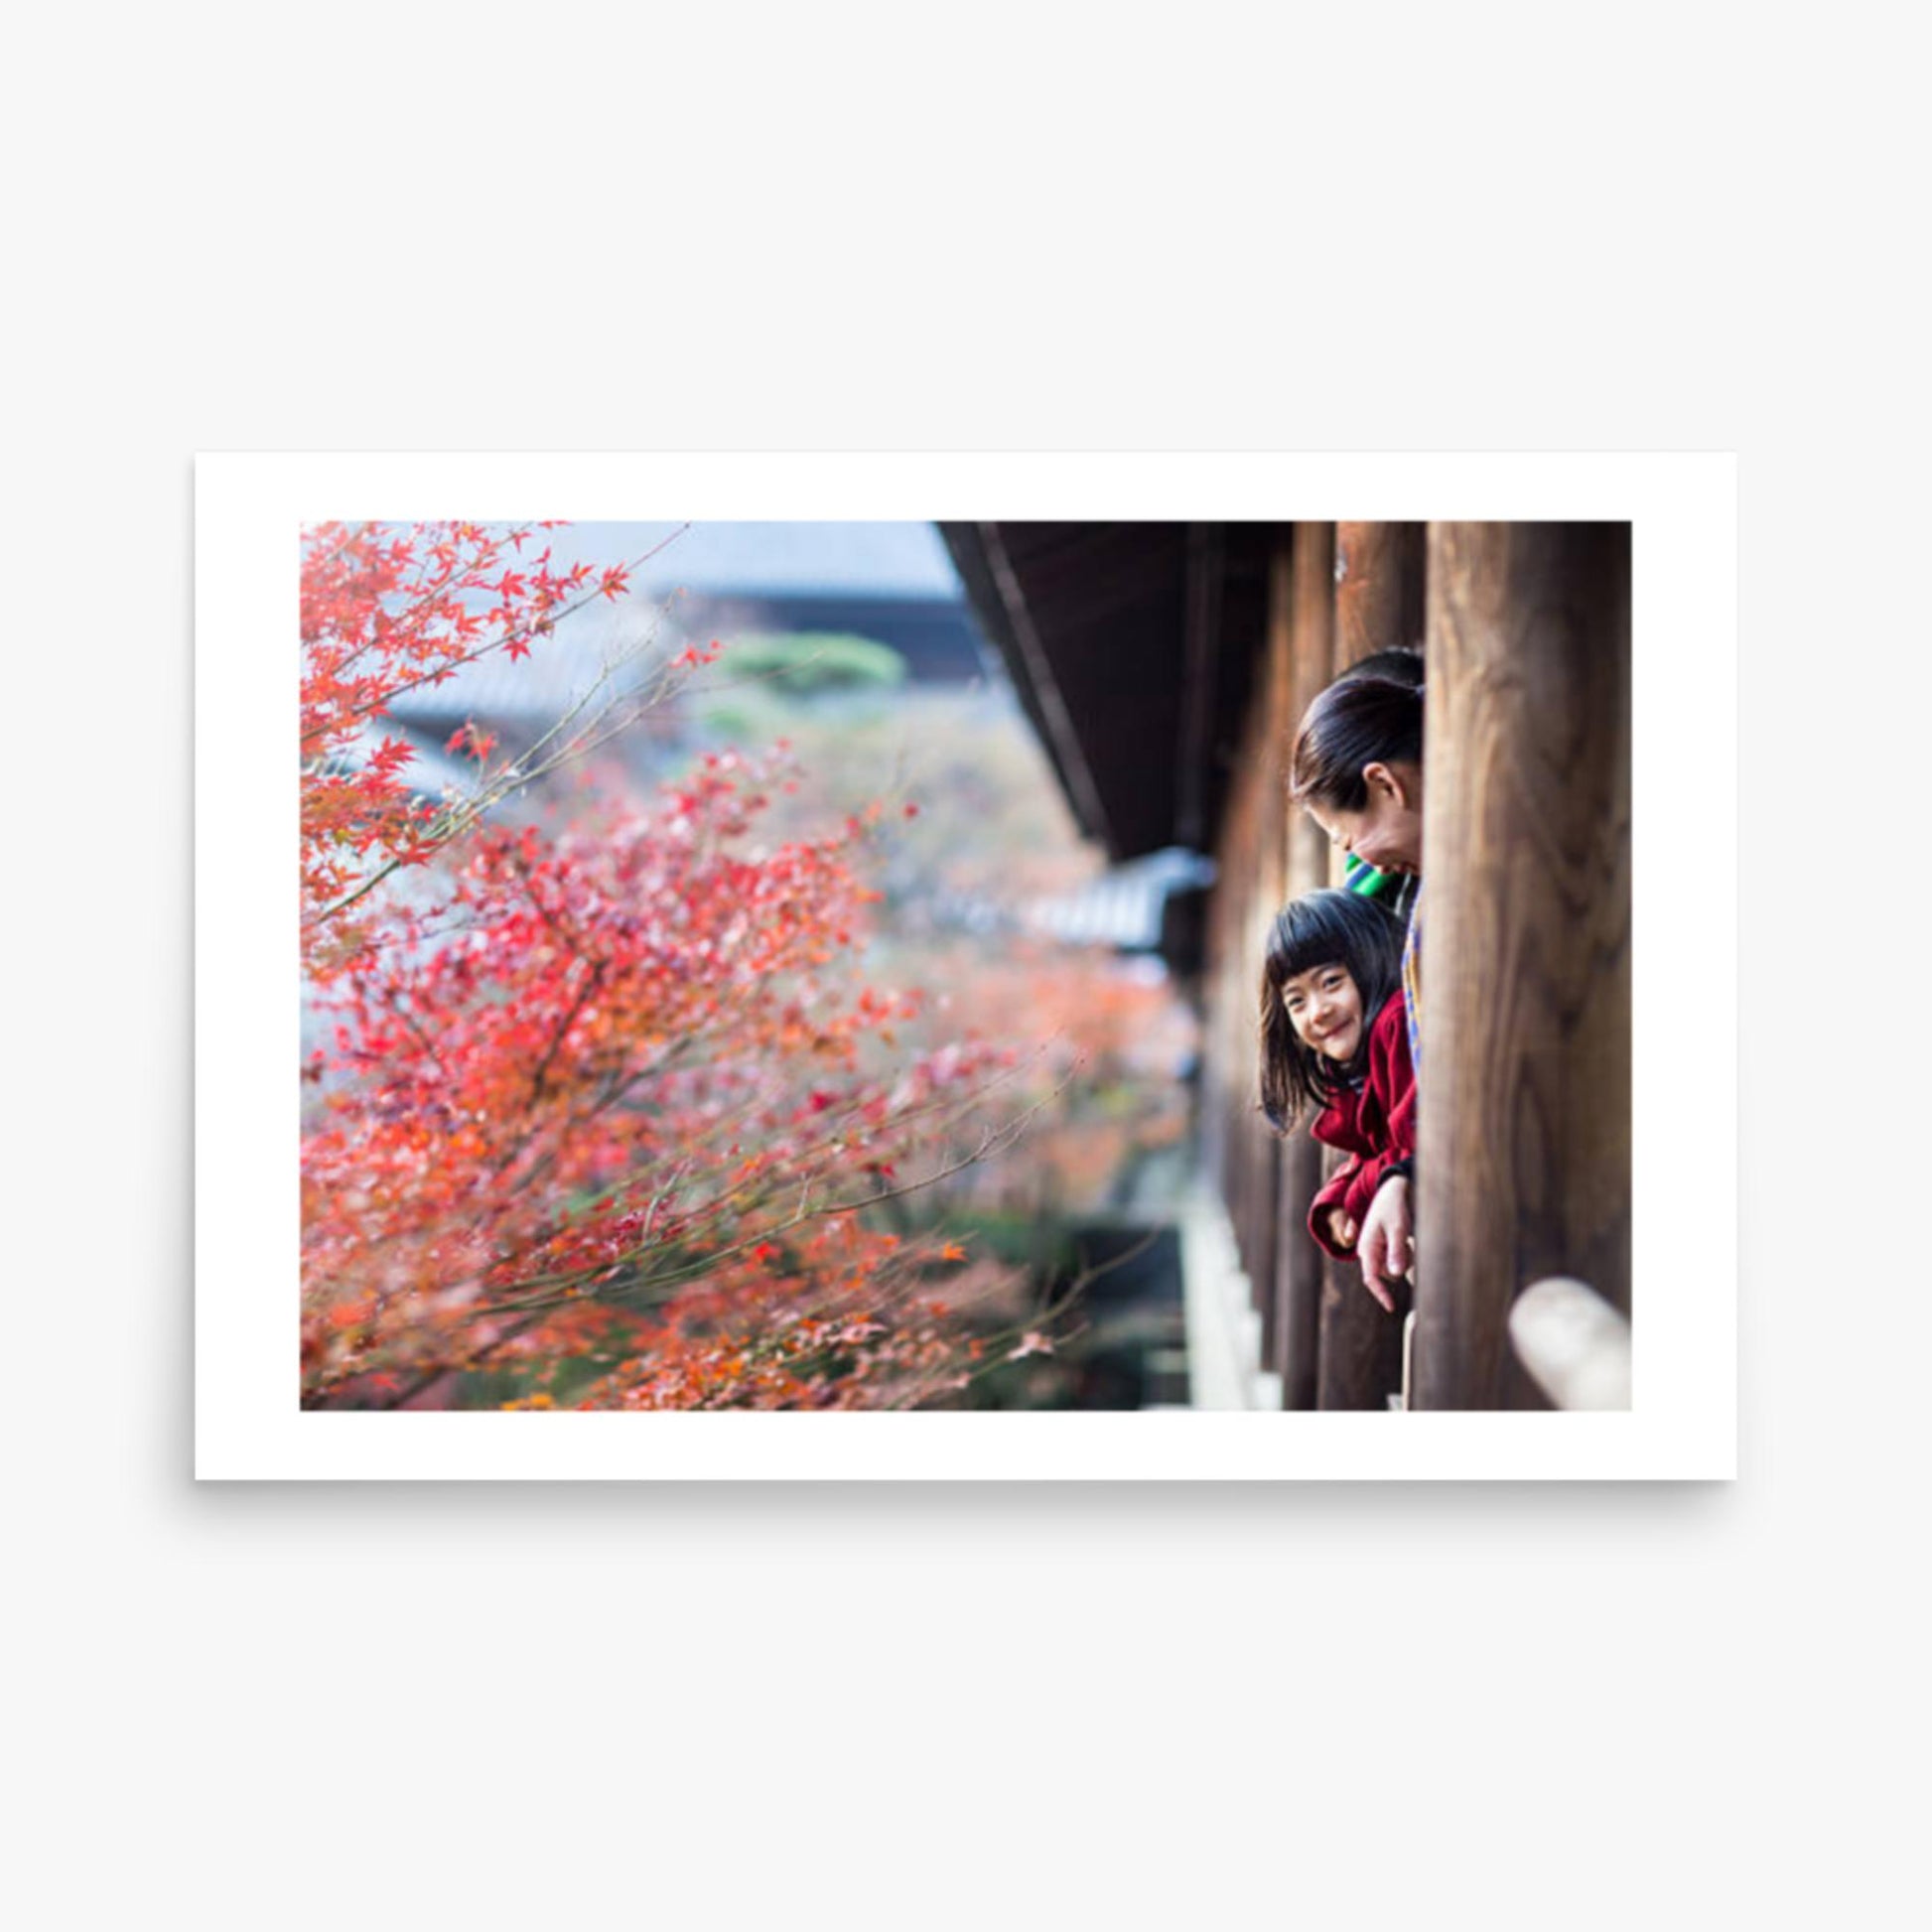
pixel 1324 1007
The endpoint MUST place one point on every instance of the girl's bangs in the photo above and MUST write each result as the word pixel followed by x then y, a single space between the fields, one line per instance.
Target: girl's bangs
pixel 1313 946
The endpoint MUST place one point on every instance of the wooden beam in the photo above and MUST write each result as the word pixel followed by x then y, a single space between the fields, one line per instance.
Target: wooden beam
pixel 1055 717
pixel 1523 1160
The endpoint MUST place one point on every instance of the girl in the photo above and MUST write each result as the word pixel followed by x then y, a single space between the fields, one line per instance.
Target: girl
pixel 1356 768
pixel 1334 1035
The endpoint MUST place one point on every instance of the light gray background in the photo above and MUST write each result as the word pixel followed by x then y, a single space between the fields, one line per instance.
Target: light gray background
pixel 1019 228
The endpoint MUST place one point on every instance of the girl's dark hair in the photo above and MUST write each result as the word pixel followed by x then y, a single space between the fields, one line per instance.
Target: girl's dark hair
pixel 1360 720
pixel 1331 927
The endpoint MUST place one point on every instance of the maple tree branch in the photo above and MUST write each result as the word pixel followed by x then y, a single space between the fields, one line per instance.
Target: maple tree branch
pixel 592 981
pixel 824 1157
pixel 422 1040
pixel 544 625
pixel 667 1285
pixel 577 1283
pixel 459 816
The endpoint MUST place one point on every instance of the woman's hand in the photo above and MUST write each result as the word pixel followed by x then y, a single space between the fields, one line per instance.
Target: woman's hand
pixel 1388 1244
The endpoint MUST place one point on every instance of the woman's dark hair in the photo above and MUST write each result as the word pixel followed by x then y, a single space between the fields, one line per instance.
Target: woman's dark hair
pixel 1331 927
pixel 1360 720
pixel 1399 663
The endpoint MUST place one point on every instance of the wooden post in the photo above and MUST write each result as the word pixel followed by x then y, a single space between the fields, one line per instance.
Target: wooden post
pixel 1282 1352
pixel 1241 1150
pixel 1297 1282
pixel 1259 1149
pixel 1378 589
pixel 1523 1160
pixel 1378 603
pixel 1307 581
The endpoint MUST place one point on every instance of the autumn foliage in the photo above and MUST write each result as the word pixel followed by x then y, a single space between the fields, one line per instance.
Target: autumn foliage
pixel 607 1113
pixel 384 612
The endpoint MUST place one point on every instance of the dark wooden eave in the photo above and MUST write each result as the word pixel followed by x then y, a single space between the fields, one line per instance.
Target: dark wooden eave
pixel 1134 648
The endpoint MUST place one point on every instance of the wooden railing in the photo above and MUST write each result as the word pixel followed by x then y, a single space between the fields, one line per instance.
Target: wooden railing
pixel 1573 1343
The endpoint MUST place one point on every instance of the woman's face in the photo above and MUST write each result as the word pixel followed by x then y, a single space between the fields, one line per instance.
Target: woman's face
pixel 1387 831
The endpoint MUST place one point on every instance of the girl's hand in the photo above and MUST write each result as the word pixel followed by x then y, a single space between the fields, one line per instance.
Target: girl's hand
pixel 1388 1245
pixel 1342 1228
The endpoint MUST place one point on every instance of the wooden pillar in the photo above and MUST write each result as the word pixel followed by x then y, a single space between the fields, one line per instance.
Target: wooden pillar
pixel 1309 594
pixel 1294 1333
pixel 1242 1148
pixel 1313 666
pixel 1263 767
pixel 1259 1149
pixel 1220 1069
pixel 1378 589
pixel 1378 603
pixel 1524 1149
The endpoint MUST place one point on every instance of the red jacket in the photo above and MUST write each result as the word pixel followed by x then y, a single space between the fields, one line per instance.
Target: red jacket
pixel 1374 1123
